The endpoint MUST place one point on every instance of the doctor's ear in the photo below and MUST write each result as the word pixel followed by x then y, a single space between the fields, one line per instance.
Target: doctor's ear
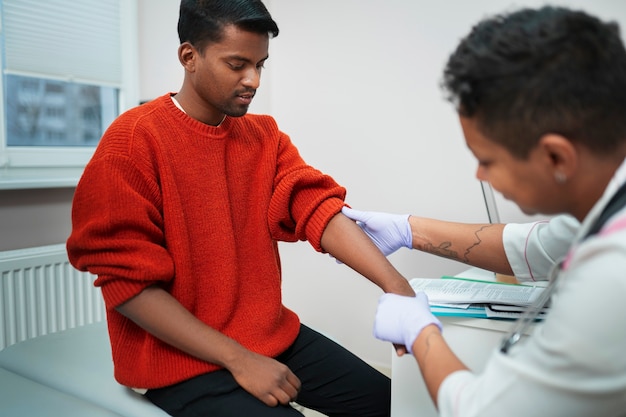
pixel 561 155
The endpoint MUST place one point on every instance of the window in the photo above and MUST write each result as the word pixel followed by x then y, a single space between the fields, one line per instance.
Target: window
pixel 68 113
pixel 69 68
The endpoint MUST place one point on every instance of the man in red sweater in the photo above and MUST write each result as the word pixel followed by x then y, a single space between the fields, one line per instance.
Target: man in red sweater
pixel 179 213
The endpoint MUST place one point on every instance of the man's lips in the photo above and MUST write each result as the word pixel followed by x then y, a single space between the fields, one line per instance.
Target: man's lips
pixel 245 98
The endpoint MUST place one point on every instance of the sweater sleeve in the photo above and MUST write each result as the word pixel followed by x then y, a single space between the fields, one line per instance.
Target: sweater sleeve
pixel 117 226
pixel 304 199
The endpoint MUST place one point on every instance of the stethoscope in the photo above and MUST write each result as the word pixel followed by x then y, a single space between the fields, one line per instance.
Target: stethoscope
pixel 531 314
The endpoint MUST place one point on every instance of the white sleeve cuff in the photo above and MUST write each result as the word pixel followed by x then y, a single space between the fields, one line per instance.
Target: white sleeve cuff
pixel 532 248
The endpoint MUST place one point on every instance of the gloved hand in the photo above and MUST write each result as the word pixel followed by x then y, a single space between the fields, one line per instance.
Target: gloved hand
pixel 400 319
pixel 389 232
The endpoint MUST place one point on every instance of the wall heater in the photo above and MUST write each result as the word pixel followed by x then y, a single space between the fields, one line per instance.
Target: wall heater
pixel 41 293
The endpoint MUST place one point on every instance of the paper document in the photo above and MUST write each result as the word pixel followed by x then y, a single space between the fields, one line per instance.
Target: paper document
pixel 494 311
pixel 460 291
pixel 459 297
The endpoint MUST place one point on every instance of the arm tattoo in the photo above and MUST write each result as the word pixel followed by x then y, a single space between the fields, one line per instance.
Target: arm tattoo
pixel 427 344
pixel 444 250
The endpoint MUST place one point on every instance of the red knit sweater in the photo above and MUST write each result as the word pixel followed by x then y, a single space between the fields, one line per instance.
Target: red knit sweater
pixel 198 210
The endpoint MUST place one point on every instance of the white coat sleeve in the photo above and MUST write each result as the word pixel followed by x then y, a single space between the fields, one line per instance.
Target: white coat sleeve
pixel 532 248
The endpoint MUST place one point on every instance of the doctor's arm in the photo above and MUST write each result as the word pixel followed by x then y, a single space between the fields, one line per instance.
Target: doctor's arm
pixel 408 321
pixel 478 245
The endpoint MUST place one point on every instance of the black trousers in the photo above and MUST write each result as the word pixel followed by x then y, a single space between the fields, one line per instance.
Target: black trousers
pixel 335 382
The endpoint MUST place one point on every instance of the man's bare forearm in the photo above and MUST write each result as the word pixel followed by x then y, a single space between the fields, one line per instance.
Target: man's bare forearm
pixel 160 314
pixel 345 240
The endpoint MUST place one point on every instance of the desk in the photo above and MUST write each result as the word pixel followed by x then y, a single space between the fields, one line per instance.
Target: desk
pixel 472 340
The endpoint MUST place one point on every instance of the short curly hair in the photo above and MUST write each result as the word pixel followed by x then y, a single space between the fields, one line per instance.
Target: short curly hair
pixel 536 71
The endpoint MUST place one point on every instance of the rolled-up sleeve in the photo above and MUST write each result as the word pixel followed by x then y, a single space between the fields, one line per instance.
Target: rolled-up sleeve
pixel 304 199
pixel 532 248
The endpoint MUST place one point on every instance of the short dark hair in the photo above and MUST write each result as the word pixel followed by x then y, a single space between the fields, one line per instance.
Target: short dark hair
pixel 202 22
pixel 532 72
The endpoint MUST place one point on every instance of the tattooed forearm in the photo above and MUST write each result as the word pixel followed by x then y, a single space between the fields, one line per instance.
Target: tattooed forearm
pixel 476 243
pixel 428 343
pixel 444 248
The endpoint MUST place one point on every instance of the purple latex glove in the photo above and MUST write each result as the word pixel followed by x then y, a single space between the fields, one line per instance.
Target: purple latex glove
pixel 389 232
pixel 400 319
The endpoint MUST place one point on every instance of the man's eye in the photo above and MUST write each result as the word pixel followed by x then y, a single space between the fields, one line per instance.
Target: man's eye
pixel 236 67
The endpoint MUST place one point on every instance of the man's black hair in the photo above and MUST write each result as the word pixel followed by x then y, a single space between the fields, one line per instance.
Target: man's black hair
pixel 202 22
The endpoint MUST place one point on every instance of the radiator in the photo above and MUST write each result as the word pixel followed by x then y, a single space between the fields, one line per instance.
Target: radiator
pixel 41 293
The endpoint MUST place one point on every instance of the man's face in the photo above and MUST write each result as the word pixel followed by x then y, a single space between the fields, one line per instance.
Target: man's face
pixel 527 182
pixel 226 75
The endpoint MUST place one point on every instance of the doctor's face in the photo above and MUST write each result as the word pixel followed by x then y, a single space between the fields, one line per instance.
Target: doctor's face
pixel 526 182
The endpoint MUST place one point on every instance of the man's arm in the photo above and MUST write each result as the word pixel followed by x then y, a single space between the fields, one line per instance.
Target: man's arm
pixel 345 241
pixel 160 314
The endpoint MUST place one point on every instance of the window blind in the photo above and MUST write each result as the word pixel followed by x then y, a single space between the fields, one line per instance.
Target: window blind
pixel 66 39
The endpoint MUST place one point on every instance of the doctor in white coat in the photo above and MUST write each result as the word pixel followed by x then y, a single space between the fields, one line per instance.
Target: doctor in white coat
pixel 541 98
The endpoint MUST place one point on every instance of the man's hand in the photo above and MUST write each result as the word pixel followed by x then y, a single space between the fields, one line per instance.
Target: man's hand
pixel 267 379
pixel 389 232
pixel 400 319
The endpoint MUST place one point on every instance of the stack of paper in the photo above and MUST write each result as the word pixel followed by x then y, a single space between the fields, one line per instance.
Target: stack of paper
pixel 453 296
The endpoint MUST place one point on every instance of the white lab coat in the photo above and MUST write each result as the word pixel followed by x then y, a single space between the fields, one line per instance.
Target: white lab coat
pixel 533 248
pixel 574 364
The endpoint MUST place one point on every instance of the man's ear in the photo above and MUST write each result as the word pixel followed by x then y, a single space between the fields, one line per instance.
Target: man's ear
pixel 187 56
pixel 561 155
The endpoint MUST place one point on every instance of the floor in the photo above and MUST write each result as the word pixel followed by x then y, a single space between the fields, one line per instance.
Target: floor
pixel 312 413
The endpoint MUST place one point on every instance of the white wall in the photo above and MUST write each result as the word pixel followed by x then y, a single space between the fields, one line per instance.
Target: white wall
pixel 355 83
pixel 159 70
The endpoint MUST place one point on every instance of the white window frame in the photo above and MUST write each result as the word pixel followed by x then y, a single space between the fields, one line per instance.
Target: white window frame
pixel 61 166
